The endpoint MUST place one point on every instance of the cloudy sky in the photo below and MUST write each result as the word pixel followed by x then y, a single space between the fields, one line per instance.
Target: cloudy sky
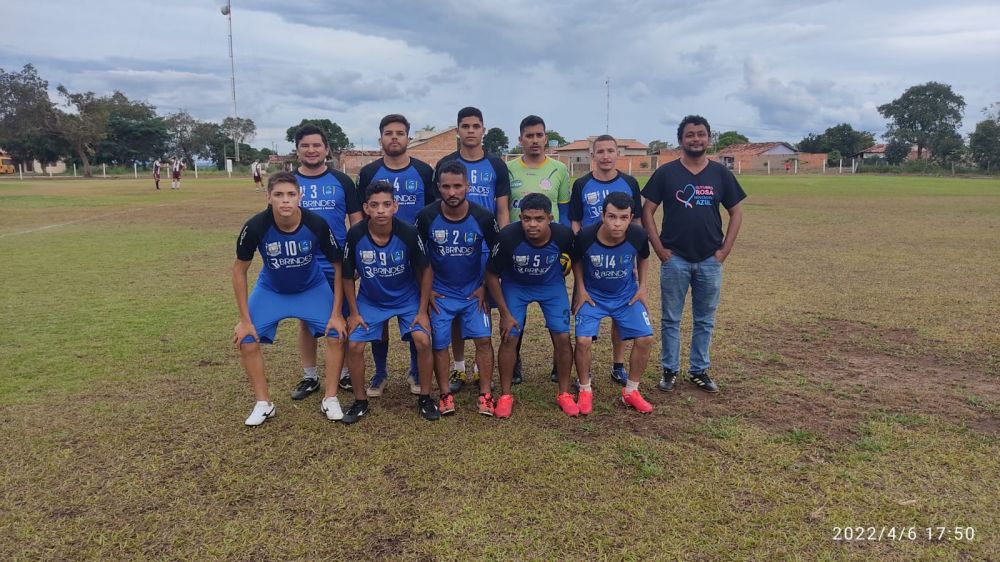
pixel 771 69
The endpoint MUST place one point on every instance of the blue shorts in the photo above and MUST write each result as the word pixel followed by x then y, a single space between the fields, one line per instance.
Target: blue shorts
pixel 312 306
pixel 376 317
pixel 551 298
pixel 632 321
pixel 475 322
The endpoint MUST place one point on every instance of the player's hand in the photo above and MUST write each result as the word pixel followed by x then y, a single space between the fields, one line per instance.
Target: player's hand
pixel 582 296
pixel 665 254
pixel 424 321
pixel 721 255
pixel 242 330
pixel 507 323
pixel 337 324
pixel 640 295
pixel 480 295
pixel 354 321
pixel 434 307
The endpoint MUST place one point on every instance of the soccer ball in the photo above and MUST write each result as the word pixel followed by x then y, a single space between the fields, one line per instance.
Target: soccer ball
pixel 566 263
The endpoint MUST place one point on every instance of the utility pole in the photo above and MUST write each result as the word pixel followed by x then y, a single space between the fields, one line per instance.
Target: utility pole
pixel 227 11
pixel 607 108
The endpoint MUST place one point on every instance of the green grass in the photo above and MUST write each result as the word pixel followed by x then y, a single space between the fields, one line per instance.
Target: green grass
pixel 855 347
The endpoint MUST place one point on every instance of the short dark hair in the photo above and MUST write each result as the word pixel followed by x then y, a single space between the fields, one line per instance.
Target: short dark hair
pixel 619 200
pixel 281 177
pixel 692 120
pixel 603 138
pixel 451 167
pixel 469 112
pixel 531 121
pixel 310 129
pixel 393 118
pixel 536 202
pixel 378 186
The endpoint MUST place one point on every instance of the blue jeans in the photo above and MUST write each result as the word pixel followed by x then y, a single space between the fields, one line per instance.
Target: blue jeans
pixel 705 280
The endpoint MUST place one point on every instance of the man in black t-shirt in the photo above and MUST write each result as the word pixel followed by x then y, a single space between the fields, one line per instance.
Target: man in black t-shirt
pixel 691 245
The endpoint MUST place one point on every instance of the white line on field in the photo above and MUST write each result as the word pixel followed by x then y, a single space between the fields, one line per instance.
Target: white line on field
pixel 85 219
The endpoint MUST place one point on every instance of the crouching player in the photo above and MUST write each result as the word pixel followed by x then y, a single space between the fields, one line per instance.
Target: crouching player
pixel 455 230
pixel 389 259
pixel 290 285
pixel 528 259
pixel 607 257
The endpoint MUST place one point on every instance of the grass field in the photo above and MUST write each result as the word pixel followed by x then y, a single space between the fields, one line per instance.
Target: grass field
pixel 856 347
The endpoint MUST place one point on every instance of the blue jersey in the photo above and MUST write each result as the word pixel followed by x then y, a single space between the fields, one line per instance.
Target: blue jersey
pixel 609 271
pixel 290 264
pixel 518 262
pixel 456 247
pixel 488 179
pixel 332 196
pixel 389 274
pixel 586 202
pixel 413 186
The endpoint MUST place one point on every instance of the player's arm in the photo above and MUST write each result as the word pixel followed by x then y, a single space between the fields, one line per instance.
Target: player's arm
pixel 580 294
pixel 563 196
pixel 636 200
pixel 245 326
pixel 501 190
pixel 503 210
pixel 649 224
pixel 640 241
pixel 499 257
pixel 641 293
pixel 334 255
pixel 350 284
pixel 732 231
pixel 423 318
pixel 576 204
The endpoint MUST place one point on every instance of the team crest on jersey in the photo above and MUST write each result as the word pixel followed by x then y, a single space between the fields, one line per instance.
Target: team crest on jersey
pixel 440 236
pixel 487 176
pixel 595 261
pixel 521 260
pixel 367 257
pixel 545 184
pixel 328 190
pixel 470 237
pixel 273 249
pixel 592 198
pixel 411 186
pixel 550 259
pixel 397 256
pixel 627 259
pixel 305 246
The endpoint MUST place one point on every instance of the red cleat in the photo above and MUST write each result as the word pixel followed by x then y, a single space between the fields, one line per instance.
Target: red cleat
pixel 504 406
pixel 635 400
pixel 446 405
pixel 486 404
pixel 569 407
pixel 585 402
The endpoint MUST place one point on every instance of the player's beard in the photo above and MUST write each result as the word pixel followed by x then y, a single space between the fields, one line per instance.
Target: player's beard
pixel 394 151
pixel 694 153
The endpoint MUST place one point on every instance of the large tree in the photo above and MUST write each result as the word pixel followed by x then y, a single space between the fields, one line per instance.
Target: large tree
pixel 189 137
pixel 842 138
pixel 655 146
pixel 896 152
pixel 495 141
pixel 555 136
pixel 135 133
pixel 334 134
pixel 84 125
pixel 922 112
pixel 241 129
pixel 729 138
pixel 27 118
pixel 984 144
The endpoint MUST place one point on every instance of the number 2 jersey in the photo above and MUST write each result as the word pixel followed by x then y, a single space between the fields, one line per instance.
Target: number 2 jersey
pixel 389 274
pixel 456 247
pixel 290 264
pixel 609 271
pixel 517 261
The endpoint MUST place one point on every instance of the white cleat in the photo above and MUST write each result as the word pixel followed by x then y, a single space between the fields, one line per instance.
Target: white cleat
pixel 331 407
pixel 261 411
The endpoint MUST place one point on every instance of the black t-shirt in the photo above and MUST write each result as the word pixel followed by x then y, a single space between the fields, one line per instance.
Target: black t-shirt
pixel 692 225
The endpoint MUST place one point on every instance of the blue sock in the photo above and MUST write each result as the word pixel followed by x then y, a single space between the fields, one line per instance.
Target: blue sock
pixel 380 353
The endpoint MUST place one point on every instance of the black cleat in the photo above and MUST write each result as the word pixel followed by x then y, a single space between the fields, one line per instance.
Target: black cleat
pixel 345 382
pixel 667 381
pixel 305 388
pixel 356 411
pixel 702 381
pixel 518 379
pixel 428 408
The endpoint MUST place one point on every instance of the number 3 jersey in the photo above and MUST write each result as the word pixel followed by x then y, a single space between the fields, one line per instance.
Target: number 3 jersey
pixel 456 247
pixel 519 262
pixel 388 274
pixel 290 264
pixel 332 196
pixel 609 271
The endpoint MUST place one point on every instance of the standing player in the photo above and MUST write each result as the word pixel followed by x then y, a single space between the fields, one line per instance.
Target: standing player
pixel 176 167
pixel 256 172
pixel 456 231
pixel 331 195
pixel 391 265
pixel 586 207
pixel 412 184
pixel 691 246
pixel 529 260
pixel 609 266
pixel 290 285
pixel 489 187
pixel 156 173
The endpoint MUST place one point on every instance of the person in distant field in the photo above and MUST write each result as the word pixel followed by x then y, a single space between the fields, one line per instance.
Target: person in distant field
pixel 489 187
pixel 455 231
pixel 332 195
pixel 176 167
pixel 788 166
pixel 527 265
pixel 412 182
pixel 291 284
pixel 609 269
pixel 586 207
pixel 534 172
pixel 691 246
pixel 393 279
pixel 156 173
pixel 256 170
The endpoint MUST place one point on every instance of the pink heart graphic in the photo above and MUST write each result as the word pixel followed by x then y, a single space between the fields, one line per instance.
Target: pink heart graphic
pixel 682 192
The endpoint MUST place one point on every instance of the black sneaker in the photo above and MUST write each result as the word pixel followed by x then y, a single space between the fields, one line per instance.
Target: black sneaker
pixel 306 387
pixel 345 382
pixel 428 409
pixel 667 381
pixel 356 411
pixel 702 381
pixel 518 379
